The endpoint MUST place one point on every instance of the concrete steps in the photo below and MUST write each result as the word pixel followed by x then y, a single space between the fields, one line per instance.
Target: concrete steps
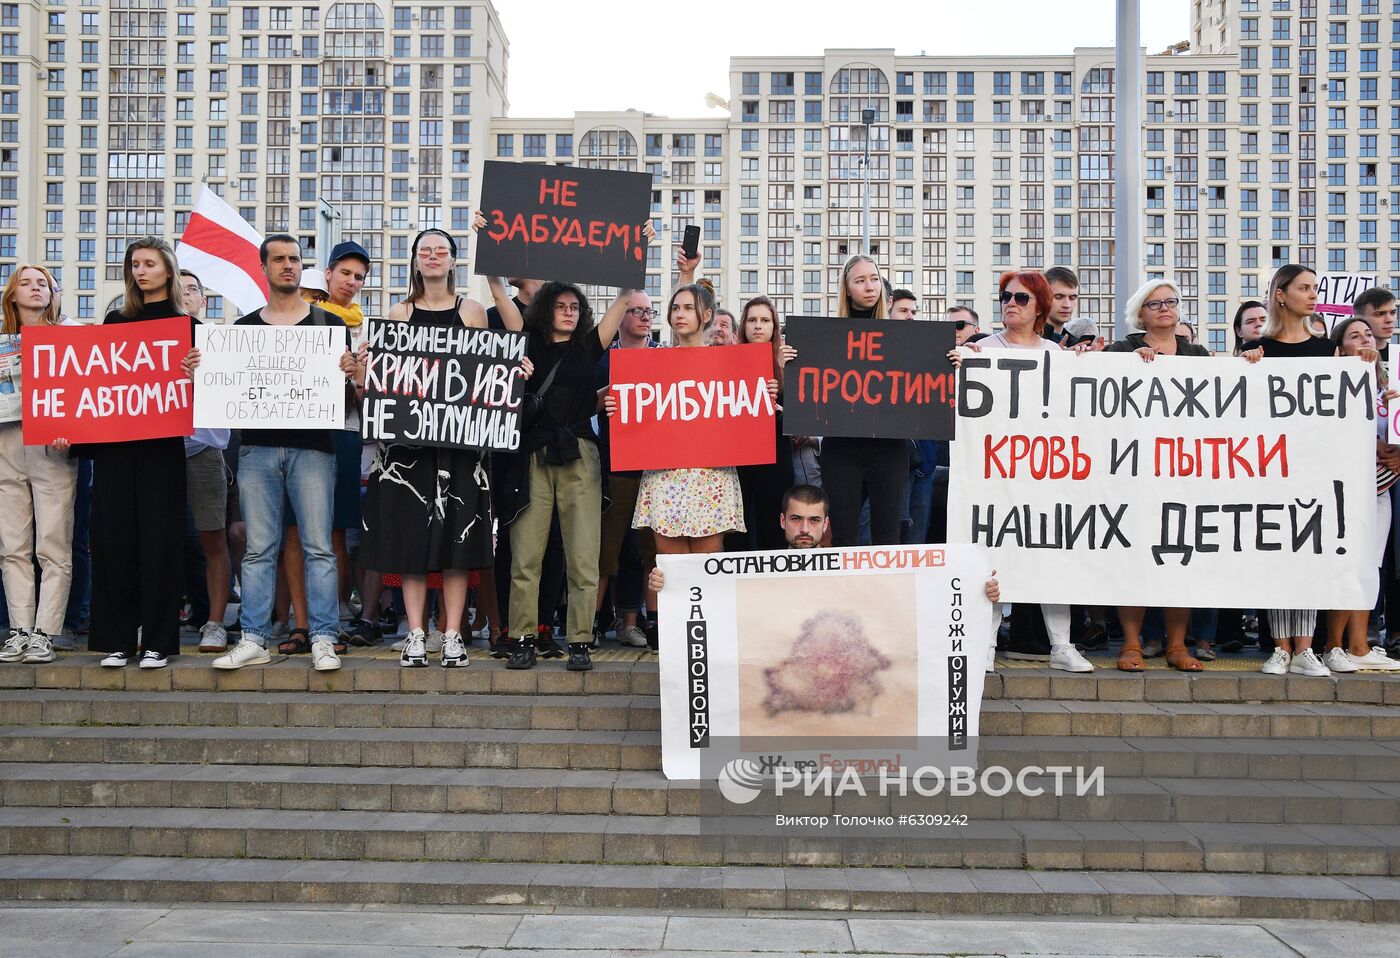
pixel 950 891
pixel 678 840
pixel 1224 794
pixel 273 787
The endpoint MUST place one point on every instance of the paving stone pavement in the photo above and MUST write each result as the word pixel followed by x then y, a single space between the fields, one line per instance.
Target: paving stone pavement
pixel 249 931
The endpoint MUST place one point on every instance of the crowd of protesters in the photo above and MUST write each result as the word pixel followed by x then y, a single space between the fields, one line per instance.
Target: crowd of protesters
pixel 326 540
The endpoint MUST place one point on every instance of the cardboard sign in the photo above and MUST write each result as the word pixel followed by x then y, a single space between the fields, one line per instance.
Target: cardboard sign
pixel 11 409
pixel 692 407
pixel 870 378
pixel 564 223
pixel 1181 482
pixel 269 377
pixel 443 386
pixel 832 647
pixel 1336 292
pixel 111 383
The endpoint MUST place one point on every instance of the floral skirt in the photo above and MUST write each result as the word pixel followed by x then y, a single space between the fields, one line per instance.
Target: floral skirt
pixel 690 502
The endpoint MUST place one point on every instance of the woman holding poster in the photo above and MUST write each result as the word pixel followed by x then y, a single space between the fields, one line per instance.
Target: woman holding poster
pixel 1153 311
pixel 37 488
pixel 138 498
pixel 879 468
pixel 1289 334
pixel 1026 301
pixel 1352 337
pixel 558 465
pixel 690 510
pixel 763 486
pixel 427 508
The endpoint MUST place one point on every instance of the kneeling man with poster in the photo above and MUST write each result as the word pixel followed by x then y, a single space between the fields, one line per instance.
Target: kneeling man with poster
pixel 821 662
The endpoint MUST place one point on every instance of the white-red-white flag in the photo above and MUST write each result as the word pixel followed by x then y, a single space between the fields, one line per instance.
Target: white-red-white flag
pixel 222 250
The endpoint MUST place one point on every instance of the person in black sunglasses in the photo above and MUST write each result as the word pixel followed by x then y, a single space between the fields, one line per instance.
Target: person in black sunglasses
pixel 965 323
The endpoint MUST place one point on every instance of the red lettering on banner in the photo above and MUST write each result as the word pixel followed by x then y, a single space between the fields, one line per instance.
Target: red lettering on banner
pixel 559 192
pixel 864 346
pixel 1044 457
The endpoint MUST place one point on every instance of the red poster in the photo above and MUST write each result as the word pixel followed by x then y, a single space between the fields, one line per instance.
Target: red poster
pixel 106 383
pixel 700 406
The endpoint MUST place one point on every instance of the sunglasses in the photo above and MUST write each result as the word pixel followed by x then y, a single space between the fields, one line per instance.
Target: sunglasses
pixel 1022 299
pixel 961 324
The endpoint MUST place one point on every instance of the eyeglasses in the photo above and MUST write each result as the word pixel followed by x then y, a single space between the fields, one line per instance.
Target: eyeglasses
pixel 639 312
pixel 1157 305
pixel 439 253
pixel 1022 299
pixel 566 307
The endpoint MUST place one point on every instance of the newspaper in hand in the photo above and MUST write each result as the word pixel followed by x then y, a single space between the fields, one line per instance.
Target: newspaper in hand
pixel 10 402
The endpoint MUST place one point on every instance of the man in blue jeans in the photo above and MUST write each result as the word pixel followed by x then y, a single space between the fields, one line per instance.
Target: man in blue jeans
pixel 288 465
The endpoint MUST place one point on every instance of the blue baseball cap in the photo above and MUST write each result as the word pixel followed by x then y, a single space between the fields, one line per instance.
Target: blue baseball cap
pixel 348 248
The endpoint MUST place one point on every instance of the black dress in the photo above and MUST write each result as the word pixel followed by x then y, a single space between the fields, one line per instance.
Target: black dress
pixel 138 529
pixel 427 509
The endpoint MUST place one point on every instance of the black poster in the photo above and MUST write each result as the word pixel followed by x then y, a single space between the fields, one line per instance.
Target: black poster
pixel 443 386
pixel 869 378
pixel 564 223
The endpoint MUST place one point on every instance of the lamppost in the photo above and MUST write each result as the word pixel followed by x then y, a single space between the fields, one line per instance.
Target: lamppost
pixel 327 229
pixel 867 117
pixel 1127 167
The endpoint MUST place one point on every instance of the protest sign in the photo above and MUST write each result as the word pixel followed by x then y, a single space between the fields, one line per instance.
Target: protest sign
pixel 564 223
pixel 692 407
pixel 823 646
pixel 270 377
pixel 10 379
pixel 443 386
pixel 1336 292
pixel 1390 410
pixel 872 378
pixel 1180 482
pixel 111 383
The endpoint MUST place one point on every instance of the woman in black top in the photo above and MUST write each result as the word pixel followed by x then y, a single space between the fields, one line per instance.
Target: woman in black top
pixel 138 498
pixel 764 486
pixel 558 465
pixel 856 468
pixel 1154 310
pixel 1289 335
pixel 428 509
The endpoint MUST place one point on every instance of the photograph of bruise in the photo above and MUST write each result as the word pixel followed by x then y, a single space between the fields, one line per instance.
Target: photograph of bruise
pixel 830 668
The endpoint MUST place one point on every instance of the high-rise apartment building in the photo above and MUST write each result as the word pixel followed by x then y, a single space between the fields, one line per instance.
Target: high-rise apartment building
pixel 113 113
pixel 1319 95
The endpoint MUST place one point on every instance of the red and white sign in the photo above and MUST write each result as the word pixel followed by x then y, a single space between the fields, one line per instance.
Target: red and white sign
pixel 222 250
pixel 107 383
pixel 692 407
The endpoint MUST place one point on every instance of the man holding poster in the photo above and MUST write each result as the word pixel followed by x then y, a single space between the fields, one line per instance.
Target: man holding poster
pixel 289 464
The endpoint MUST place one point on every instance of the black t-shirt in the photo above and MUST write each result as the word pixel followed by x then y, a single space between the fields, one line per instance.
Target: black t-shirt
pixel 1312 346
pixel 572 398
pixel 317 440
pixel 493 315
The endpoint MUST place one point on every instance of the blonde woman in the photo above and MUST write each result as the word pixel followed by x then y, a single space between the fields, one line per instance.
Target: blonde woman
pixel 37 487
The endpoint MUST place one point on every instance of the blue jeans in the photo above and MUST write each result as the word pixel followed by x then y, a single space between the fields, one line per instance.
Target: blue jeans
pixel 267 476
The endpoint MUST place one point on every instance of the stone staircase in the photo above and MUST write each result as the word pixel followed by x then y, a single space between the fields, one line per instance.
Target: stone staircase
pixel 1227 793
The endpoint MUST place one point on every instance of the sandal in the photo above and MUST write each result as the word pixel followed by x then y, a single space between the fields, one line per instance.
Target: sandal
pixel 1183 661
pixel 297 642
pixel 1130 660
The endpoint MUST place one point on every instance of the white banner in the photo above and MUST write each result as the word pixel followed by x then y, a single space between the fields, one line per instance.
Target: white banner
pixel 269 377
pixel 821 646
pixel 1336 292
pixel 1202 482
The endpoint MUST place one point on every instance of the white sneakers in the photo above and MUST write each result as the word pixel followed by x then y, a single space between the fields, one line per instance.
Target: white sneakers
pixel 454 651
pixel 1373 661
pixel 633 636
pixel 15 646
pixel 213 637
pixel 323 657
pixel 246 652
pixel 415 650
pixel 1277 664
pixel 1307 663
pixel 1067 658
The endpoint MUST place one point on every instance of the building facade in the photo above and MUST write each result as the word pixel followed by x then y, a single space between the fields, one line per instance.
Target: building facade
pixel 114 113
pixel 377 117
